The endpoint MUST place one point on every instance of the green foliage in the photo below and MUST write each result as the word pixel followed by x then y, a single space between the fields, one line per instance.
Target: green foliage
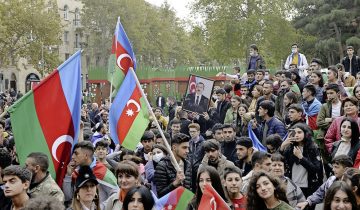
pixel 334 23
pixel 156 34
pixel 25 27
pixel 232 25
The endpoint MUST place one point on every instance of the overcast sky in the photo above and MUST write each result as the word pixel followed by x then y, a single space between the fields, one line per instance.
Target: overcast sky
pixel 178 5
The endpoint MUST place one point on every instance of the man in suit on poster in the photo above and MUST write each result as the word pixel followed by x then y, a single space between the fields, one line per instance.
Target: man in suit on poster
pixel 197 102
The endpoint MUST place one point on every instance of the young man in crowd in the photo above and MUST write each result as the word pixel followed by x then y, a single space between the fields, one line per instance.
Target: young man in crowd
pixel 255 61
pixel 328 111
pixel 270 125
pixel 5 161
pixel 214 158
pixel 228 145
pixel 196 150
pixel 222 105
pixel 260 161
pixel 244 151
pixel 147 141
pixel 339 164
pixel 351 62
pixel 101 150
pixel 83 155
pixel 42 183
pixel 17 181
pixel 217 132
pixel 296 115
pixel 166 177
pixel 311 106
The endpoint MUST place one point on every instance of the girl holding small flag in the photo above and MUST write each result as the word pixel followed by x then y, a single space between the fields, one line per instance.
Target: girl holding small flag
pixel 207 175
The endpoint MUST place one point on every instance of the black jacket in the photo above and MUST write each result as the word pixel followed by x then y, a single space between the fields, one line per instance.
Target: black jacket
pixel 165 174
pixel 311 162
pixel 228 149
pixel 162 101
pixel 221 110
pixel 355 64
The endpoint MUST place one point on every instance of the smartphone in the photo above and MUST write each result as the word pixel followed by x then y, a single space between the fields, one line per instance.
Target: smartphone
pixel 291 133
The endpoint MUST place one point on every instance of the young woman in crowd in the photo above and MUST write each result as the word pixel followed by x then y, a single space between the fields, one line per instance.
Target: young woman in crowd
pixel 231 114
pixel 138 198
pixel 206 175
pixel 86 193
pixel 356 94
pixel 349 143
pixel 302 159
pixel 265 192
pixel 289 98
pixel 350 109
pixel 157 153
pixel 242 120
pixel 340 197
pixel 317 80
pixel 256 93
pixel 232 183
pixel 352 178
pixel 128 176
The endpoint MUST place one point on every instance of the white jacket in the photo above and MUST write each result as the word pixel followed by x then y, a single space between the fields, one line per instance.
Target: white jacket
pixel 302 63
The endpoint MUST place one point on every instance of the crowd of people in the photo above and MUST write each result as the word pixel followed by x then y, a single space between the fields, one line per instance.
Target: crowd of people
pixel 280 141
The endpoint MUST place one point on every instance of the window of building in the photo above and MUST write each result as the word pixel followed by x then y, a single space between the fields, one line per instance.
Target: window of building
pixel 77 41
pixel 66 37
pixel 77 17
pixel 66 12
pixel 67 55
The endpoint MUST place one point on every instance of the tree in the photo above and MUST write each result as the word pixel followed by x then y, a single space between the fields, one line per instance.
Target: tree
pixel 334 23
pixel 232 25
pixel 26 26
pixel 156 34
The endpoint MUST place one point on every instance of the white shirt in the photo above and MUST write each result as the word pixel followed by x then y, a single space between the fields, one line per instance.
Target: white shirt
pixel 335 110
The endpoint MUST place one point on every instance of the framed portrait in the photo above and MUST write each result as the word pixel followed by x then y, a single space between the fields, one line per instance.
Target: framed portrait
pixel 198 94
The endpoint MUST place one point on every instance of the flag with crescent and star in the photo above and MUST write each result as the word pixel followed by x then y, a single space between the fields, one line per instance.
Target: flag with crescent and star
pixel 47 118
pixel 177 199
pixel 212 200
pixel 129 115
pixel 122 57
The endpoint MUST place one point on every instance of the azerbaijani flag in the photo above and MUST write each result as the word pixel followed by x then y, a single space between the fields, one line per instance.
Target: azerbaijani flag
pixel 177 199
pixel 122 57
pixel 129 115
pixel 47 118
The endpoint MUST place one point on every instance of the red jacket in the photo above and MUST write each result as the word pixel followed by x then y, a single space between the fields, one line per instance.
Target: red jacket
pixel 333 133
pixel 357 160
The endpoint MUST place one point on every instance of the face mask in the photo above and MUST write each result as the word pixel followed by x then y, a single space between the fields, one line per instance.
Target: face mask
pixel 266 77
pixel 294 50
pixel 252 54
pixel 157 157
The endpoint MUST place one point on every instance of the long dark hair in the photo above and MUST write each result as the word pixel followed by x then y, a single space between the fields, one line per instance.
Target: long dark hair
pixel 146 198
pixel 319 74
pixel 354 91
pixel 254 201
pixel 335 187
pixel 308 134
pixel 215 183
pixel 291 96
pixel 355 134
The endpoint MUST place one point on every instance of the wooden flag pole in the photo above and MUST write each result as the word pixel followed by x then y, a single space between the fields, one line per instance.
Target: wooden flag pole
pixel 172 157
